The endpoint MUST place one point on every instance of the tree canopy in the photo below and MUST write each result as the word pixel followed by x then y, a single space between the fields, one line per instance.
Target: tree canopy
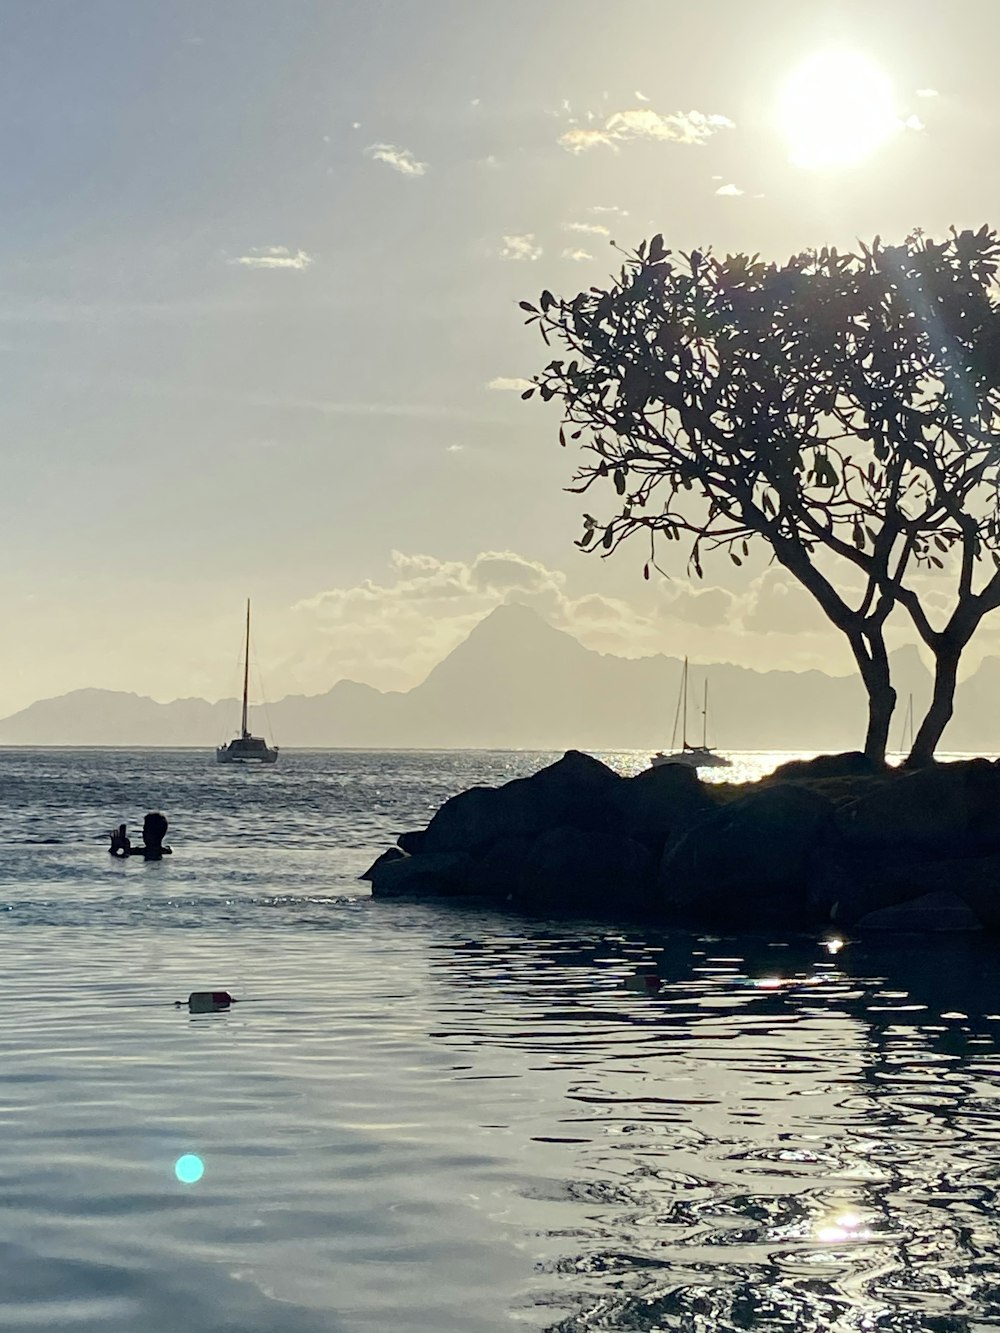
pixel 842 408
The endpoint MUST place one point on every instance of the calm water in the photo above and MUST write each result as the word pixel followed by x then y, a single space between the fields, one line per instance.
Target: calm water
pixel 421 1119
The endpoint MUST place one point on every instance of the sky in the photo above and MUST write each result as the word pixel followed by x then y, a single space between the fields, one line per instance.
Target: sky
pixel 259 333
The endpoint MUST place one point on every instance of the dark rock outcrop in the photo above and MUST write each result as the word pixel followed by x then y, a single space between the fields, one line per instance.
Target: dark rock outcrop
pixel 442 874
pixel 659 805
pixel 838 840
pixel 852 764
pixel 934 911
pixel 945 809
pixel 575 791
pixel 748 860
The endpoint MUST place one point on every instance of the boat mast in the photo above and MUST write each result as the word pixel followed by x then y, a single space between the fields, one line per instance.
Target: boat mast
pixel 704 719
pixel 246 675
pixel 684 706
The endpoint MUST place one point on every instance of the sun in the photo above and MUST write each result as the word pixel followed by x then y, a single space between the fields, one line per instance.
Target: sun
pixel 836 110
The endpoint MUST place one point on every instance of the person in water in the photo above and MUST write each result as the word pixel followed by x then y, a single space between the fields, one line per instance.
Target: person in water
pixel 154 830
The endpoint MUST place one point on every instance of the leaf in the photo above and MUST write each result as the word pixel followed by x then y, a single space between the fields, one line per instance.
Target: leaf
pixel 587 537
pixel 607 539
pixel 547 301
pixel 619 481
pixel 645 571
pixel 526 305
pixel 528 393
pixel 735 558
pixel 656 250
pixel 562 437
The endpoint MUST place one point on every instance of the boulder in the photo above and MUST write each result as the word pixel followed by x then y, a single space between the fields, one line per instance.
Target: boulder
pixel 974 879
pixel 852 764
pixel 572 869
pixel 748 861
pixel 948 808
pixel 846 883
pixel 932 912
pixel 441 875
pixel 391 854
pixel 576 791
pixel 661 804
pixel 411 842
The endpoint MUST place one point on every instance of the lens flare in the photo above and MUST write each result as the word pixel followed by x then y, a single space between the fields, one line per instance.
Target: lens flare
pixel 189 1169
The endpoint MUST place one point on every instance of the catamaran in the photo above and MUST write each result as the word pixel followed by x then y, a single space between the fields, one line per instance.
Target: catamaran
pixel 691 756
pixel 245 748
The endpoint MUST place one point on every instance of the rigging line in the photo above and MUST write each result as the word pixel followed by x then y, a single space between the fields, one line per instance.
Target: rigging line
pixel 263 697
pixel 677 716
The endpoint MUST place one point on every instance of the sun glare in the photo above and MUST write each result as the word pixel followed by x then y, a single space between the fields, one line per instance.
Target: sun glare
pixel 836 110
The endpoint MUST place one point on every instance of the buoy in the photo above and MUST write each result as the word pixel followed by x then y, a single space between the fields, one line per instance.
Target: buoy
pixel 209 1001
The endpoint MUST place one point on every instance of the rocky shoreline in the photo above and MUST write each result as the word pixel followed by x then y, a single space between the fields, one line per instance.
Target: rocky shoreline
pixel 828 841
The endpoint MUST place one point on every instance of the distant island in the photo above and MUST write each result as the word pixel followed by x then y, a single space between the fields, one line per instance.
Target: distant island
pixel 518 683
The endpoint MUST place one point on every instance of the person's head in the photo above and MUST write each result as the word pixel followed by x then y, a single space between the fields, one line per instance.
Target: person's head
pixel 154 829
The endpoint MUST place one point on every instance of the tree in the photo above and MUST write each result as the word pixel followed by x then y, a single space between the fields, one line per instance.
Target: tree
pixel 843 409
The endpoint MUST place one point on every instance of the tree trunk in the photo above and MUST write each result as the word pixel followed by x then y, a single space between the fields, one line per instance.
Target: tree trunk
pixel 873 663
pixel 938 716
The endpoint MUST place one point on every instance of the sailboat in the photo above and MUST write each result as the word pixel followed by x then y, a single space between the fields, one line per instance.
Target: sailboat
pixel 245 748
pixel 906 739
pixel 691 756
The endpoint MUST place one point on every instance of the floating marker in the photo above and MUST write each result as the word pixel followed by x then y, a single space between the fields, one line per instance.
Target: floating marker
pixel 209 1001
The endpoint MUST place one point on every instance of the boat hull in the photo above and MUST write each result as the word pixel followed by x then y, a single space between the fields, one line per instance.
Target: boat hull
pixel 695 757
pixel 247 750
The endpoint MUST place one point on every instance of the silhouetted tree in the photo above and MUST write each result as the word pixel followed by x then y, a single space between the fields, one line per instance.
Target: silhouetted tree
pixel 843 408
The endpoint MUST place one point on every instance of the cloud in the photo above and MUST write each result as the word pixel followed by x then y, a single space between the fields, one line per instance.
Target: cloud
pixel 587 228
pixel 699 606
pixel 684 127
pixel 520 247
pixel 581 141
pixel 775 604
pixel 400 159
pixel 640 97
pixel 729 191
pixel 578 256
pixel 393 631
pixel 608 208
pixel 503 384
pixel 274 256
pixel 928 92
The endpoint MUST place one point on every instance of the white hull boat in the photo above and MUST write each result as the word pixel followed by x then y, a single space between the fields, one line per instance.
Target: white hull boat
pixel 690 756
pixel 245 748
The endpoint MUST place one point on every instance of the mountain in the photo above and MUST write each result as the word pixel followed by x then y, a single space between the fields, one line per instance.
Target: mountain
pixel 516 682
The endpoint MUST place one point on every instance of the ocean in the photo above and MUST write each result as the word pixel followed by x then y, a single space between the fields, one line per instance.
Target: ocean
pixel 454 1119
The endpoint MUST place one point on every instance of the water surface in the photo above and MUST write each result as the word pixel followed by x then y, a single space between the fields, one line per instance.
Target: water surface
pixel 431 1119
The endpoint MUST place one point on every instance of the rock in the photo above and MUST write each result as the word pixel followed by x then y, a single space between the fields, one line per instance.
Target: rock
pixel 846 883
pixel 573 869
pixel 391 854
pixel 411 842
pixel 575 791
pixel 661 803
pixel 949 808
pixel 748 861
pixel 934 911
pixel 852 764
pixel 444 874
pixel 974 879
